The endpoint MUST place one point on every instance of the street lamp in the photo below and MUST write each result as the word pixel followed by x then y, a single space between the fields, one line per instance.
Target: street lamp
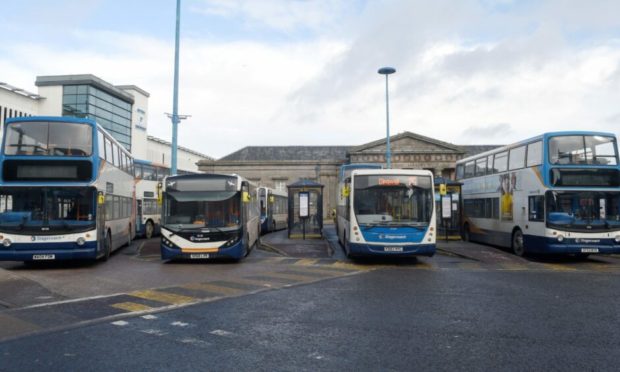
pixel 388 153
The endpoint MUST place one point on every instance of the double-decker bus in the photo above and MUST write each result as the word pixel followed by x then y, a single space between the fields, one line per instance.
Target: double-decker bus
pixel 66 190
pixel 553 193
pixel 273 209
pixel 209 216
pixel 387 212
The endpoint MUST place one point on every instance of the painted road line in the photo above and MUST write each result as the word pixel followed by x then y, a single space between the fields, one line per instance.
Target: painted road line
pixel 306 262
pixel 159 296
pixel 322 270
pixel 213 288
pixel 351 266
pixel 512 267
pixel 11 326
pixel 294 277
pixel 423 266
pixel 131 306
pixel 254 282
pixel 558 267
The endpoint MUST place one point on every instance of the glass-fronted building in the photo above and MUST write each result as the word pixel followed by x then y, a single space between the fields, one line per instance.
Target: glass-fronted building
pixel 88 96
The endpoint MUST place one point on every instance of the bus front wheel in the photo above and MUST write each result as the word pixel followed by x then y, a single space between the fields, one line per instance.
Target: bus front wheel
pixel 517 243
pixel 107 247
pixel 148 229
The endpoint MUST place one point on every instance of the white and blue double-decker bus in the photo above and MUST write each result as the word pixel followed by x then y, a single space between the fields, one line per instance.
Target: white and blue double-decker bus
pixel 66 190
pixel 209 216
pixel 555 193
pixel 389 212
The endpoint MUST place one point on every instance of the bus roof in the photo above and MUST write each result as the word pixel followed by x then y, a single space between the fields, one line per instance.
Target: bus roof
pixel 395 172
pixel 347 167
pixel 535 138
pixel 64 119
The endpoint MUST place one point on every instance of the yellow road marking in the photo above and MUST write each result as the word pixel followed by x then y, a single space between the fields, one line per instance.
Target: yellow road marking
pixel 306 262
pixel 513 267
pixel 325 271
pixel 559 267
pixel 164 297
pixel 423 266
pixel 213 288
pixel 299 278
pixel 347 265
pixel 131 306
pixel 255 282
pixel 11 326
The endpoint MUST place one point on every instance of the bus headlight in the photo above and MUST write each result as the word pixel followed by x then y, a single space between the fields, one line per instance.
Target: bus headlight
pixel 6 242
pixel 80 241
pixel 232 241
pixel 560 238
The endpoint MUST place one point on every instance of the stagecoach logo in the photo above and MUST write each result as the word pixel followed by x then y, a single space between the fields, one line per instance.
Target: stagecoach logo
pixel 587 241
pixel 392 237
pixel 199 238
pixel 45 238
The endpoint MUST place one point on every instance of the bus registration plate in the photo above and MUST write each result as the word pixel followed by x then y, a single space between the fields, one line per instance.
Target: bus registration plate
pixel 43 256
pixel 589 250
pixel 393 249
pixel 199 255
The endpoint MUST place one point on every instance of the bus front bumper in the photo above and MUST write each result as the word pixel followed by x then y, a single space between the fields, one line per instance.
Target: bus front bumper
pixel 235 251
pixel 356 249
pixel 48 251
pixel 570 246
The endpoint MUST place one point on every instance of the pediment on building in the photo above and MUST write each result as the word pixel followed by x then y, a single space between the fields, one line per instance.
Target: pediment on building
pixel 410 143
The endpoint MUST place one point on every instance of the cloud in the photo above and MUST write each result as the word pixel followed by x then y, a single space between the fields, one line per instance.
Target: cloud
pixel 467 72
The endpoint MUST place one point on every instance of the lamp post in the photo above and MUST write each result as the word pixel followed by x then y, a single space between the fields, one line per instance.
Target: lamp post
pixel 388 152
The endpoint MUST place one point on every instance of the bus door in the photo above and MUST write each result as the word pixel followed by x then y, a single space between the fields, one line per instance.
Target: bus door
pixel 245 209
pixel 100 220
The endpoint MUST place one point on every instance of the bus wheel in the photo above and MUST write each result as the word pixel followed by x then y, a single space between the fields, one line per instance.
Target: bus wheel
pixel 149 229
pixel 347 252
pixel 257 244
pixel 107 247
pixel 517 243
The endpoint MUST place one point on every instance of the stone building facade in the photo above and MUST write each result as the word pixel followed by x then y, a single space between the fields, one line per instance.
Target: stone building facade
pixel 278 166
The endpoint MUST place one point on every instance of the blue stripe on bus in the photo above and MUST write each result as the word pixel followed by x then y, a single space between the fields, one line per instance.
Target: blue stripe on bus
pixel 61 250
pixel 356 249
pixel 392 234
pixel 540 244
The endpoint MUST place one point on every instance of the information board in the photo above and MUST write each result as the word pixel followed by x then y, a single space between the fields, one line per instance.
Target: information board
pixel 304 199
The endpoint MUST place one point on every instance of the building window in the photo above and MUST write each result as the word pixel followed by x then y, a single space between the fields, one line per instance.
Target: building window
pixel 111 112
pixel 280 185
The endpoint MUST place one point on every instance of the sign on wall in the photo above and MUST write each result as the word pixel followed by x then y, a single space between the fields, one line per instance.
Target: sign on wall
pixel 304 204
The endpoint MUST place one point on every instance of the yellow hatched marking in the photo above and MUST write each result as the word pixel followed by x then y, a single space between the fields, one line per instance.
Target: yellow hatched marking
pixel 168 298
pixel 131 306
pixel 513 267
pixel 258 283
pixel 325 271
pixel 306 262
pixel 423 266
pixel 559 267
pixel 346 265
pixel 299 278
pixel 601 267
pixel 213 288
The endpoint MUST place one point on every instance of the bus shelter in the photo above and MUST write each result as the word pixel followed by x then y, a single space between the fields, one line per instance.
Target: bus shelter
pixel 448 208
pixel 305 210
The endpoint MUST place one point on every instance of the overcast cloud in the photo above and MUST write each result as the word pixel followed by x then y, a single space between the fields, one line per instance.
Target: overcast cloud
pixel 286 72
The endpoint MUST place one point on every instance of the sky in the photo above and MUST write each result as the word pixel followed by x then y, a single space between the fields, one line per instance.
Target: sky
pixel 304 72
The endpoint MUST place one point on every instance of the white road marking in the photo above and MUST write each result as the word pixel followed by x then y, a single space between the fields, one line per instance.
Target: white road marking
pixel 154 332
pixel 120 323
pixel 219 332
pixel 149 317
pixel 179 324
